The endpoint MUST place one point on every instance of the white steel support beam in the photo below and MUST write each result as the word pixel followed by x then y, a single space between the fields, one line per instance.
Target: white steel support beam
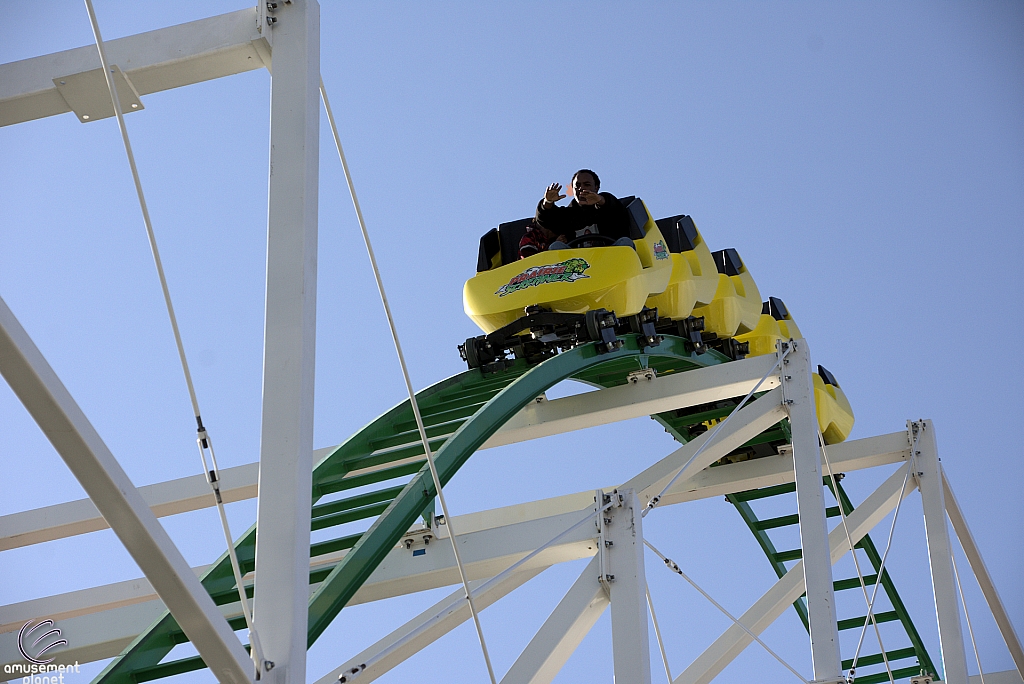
pixel 601 407
pixel 286 441
pixel 239 483
pixel 424 629
pixel 947 608
pixel 165 498
pixel 563 631
pixel 83 450
pixel 810 499
pixel 845 457
pixel 988 587
pixel 710 482
pixel 153 61
pixel 751 421
pixel 628 586
pixel 789 588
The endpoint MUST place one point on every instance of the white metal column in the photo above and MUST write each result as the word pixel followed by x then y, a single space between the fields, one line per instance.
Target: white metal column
pixel 286 446
pixel 947 610
pixel 628 587
pixel 821 604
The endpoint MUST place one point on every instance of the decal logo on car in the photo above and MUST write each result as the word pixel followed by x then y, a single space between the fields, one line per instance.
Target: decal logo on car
pixel 568 271
pixel 660 252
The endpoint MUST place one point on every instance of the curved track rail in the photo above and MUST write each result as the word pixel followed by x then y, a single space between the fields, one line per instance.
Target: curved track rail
pixel 386 463
pixel 460 414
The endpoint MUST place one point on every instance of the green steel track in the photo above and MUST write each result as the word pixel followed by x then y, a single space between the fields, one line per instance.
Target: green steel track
pixel 385 460
pixel 460 414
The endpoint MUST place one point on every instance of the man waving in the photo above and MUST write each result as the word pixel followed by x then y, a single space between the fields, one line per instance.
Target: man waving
pixel 591 212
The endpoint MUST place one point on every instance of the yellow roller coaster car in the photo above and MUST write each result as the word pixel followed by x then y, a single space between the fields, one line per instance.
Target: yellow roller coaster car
pixel 694 273
pixel 775 323
pixel 670 284
pixel 835 415
pixel 736 307
pixel 572 281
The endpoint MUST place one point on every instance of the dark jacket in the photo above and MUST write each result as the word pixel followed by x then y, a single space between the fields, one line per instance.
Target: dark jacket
pixel 611 218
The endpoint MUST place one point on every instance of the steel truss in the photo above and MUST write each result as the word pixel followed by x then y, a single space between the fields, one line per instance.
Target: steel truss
pixel 140 621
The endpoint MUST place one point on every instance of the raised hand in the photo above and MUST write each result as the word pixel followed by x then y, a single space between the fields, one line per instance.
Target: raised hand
pixel 553 193
pixel 586 197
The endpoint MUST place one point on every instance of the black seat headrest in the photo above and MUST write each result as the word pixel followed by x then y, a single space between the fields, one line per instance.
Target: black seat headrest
pixel 490 245
pixel 510 234
pixel 728 262
pixel 638 217
pixel 827 377
pixel 775 308
pixel 680 233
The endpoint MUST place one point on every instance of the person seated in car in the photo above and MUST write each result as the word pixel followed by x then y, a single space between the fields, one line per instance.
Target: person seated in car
pixel 537 239
pixel 589 213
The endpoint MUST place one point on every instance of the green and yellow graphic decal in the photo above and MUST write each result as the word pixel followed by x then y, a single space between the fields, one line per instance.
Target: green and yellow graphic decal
pixel 568 271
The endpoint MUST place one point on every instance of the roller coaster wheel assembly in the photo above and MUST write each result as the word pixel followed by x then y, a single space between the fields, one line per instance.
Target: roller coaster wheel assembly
pixel 477 352
pixel 601 328
pixel 643 325
pixel 690 328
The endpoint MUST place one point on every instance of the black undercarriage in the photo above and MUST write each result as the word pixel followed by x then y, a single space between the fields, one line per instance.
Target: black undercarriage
pixel 541 334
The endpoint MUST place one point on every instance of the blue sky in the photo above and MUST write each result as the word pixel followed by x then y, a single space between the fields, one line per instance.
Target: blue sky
pixel 866 159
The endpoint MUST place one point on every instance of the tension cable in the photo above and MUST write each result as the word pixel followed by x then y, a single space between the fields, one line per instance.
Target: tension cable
pixel 853 552
pixel 960 590
pixel 657 633
pixel 408 384
pixel 671 565
pixel 918 429
pixel 203 438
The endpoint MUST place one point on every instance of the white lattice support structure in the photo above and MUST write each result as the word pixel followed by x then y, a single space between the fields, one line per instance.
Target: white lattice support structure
pixel 101 476
pixel 104 619
pixel 788 589
pixel 286 442
pixel 947 609
pixel 810 498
